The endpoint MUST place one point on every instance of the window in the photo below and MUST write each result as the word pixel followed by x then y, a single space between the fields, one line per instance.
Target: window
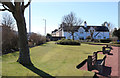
pixel 81 32
pixel 99 37
pixel 91 30
pixel 81 38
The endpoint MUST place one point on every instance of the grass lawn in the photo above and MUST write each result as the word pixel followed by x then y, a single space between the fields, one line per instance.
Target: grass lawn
pixel 96 43
pixel 56 60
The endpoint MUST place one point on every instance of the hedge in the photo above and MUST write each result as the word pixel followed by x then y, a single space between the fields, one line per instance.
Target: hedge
pixel 105 40
pixel 68 42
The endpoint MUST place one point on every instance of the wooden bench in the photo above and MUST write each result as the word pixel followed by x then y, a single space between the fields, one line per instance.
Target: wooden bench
pixel 106 51
pixel 94 64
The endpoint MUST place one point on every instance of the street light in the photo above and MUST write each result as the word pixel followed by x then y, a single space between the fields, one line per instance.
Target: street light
pixel 29 19
pixel 45 26
pixel 29 22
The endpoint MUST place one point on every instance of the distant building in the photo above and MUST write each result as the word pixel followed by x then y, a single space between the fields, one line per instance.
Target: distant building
pixel 82 32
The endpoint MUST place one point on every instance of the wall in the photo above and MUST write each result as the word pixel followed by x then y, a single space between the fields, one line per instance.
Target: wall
pixel 102 35
pixel 82 34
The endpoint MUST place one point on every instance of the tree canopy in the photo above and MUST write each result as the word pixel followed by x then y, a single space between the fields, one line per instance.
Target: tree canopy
pixel 116 33
pixel 71 20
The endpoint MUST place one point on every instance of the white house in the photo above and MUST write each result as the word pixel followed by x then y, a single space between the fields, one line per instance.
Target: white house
pixel 82 32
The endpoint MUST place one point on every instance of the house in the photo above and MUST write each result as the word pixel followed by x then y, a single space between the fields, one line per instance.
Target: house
pixel 82 32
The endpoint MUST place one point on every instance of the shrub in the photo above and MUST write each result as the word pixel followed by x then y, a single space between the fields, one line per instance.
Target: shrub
pixel 68 42
pixel 105 40
pixel 37 39
pixel 9 40
pixel 96 40
pixel 88 37
pixel 115 42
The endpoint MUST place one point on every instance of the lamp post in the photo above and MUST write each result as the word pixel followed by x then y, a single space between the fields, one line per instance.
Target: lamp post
pixel 45 26
pixel 29 20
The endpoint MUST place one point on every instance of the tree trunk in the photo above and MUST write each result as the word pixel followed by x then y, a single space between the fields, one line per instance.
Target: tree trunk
pixel 24 53
pixel 72 35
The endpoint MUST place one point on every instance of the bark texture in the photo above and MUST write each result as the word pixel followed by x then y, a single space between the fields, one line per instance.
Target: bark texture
pixel 24 55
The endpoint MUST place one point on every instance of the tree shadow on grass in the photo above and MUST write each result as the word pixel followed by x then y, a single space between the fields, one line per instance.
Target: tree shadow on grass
pixel 81 64
pixel 38 71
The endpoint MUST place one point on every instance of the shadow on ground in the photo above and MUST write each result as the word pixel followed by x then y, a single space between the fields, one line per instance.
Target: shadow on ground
pixel 105 73
pixel 39 72
pixel 81 64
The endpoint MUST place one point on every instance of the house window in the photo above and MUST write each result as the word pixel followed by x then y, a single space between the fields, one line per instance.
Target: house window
pixel 81 32
pixel 104 37
pixel 99 37
pixel 91 30
pixel 81 38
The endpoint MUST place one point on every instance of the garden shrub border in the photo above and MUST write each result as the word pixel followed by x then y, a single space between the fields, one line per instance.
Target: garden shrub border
pixel 68 42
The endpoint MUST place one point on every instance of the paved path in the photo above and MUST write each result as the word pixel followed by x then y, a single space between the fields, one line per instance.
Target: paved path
pixel 111 62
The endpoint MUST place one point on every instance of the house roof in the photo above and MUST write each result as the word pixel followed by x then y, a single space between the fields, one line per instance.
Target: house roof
pixel 75 28
pixel 69 28
pixel 102 28
pixel 97 28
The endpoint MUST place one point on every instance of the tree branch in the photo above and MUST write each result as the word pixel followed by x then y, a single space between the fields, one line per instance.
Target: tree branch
pixel 17 4
pixel 27 4
pixel 22 4
pixel 2 9
pixel 9 5
pixel 5 8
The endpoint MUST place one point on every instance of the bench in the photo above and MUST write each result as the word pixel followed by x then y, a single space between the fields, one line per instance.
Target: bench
pixel 94 64
pixel 106 51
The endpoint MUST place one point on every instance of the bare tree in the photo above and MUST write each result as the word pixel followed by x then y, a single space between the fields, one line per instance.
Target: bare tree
pixel 109 24
pixel 91 34
pixel 7 20
pixel 17 9
pixel 110 27
pixel 71 20
pixel 116 33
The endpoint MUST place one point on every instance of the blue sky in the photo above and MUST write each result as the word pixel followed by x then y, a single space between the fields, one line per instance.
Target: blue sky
pixel 95 13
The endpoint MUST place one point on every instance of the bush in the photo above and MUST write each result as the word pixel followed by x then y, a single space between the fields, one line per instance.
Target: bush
pixel 36 39
pixel 115 42
pixel 68 42
pixel 88 37
pixel 9 40
pixel 105 40
pixel 96 40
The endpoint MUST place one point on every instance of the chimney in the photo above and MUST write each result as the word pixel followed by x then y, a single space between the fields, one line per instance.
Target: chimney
pixel 106 24
pixel 85 24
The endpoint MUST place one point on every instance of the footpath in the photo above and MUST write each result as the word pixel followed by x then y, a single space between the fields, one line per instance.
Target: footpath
pixel 111 63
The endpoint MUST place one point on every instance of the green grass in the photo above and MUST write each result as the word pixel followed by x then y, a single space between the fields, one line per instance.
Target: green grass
pixel 0 66
pixel 56 60
pixel 111 44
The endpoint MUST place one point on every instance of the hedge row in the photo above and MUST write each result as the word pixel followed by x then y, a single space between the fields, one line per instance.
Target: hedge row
pixel 68 42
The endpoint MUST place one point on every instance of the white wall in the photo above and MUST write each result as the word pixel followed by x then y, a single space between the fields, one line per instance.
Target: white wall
pixel 79 35
pixel 62 32
pixel 102 35
pixel 67 35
